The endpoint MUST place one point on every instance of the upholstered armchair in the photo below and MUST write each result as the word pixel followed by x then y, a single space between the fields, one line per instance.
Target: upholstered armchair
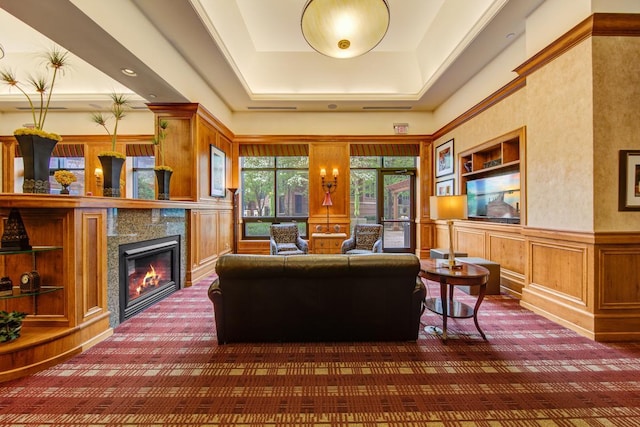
pixel 285 240
pixel 365 239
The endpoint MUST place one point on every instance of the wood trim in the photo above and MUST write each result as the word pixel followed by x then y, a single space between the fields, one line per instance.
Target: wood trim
pixel 504 92
pixel 598 24
pixel 369 139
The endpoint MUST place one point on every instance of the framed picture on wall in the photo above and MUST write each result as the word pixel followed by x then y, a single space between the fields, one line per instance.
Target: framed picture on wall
pixel 629 182
pixel 218 172
pixel 445 187
pixel 444 159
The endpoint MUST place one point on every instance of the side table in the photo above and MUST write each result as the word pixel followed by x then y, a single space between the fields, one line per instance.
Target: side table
pixel 446 306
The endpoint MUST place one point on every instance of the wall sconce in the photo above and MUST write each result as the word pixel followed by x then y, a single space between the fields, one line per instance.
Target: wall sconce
pixel 98 175
pixel 329 186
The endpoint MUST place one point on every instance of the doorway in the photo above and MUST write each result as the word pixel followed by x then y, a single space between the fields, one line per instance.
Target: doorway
pixel 396 207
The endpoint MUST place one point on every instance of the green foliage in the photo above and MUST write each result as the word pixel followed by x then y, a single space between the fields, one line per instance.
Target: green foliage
pixel 10 325
pixel 159 141
pixel 43 84
pixel 119 104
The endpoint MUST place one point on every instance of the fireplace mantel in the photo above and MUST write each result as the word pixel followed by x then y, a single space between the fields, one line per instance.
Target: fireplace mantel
pixel 87 232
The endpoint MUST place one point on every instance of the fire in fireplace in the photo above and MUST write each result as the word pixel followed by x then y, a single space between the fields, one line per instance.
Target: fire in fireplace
pixel 149 272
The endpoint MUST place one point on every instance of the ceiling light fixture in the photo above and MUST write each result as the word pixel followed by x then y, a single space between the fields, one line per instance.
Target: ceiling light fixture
pixel 129 72
pixel 344 28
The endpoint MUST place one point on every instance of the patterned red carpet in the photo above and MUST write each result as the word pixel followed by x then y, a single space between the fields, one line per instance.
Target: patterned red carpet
pixel 163 367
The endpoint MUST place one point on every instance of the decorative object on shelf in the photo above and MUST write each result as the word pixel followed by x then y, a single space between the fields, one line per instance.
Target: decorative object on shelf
pixel 112 160
pixel 444 159
pixel 492 163
pixel 64 178
pixel 449 208
pixel 14 237
pixel 163 172
pixel 346 28
pixel 218 172
pixel 6 286
pixel 29 282
pixel 468 166
pixel 328 187
pixel 10 325
pixel 629 181
pixel 36 145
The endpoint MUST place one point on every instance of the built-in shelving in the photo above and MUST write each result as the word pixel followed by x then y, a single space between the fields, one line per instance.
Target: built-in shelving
pixel 486 162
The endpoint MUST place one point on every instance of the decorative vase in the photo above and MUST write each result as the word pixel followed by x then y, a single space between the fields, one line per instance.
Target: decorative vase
pixel 36 153
pixel 111 168
pixel 65 189
pixel 163 177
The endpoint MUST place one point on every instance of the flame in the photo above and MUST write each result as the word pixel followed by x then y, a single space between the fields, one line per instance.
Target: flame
pixel 150 279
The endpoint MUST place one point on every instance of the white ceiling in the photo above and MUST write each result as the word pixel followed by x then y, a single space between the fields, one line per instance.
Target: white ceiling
pixel 251 53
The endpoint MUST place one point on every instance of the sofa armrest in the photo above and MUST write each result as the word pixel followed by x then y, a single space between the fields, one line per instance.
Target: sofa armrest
pixel 348 245
pixel 273 247
pixel 377 246
pixel 216 297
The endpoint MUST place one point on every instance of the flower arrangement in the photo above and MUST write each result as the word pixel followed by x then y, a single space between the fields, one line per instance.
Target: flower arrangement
pixel 119 104
pixel 56 60
pixel 158 140
pixel 64 177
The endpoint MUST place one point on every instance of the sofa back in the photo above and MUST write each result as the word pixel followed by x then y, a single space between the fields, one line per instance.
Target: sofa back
pixel 317 297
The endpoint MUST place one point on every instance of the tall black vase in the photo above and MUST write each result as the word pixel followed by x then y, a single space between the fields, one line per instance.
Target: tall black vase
pixel 111 168
pixel 36 153
pixel 163 178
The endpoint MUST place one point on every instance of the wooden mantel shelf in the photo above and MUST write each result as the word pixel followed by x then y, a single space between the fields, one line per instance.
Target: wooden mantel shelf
pixel 18 200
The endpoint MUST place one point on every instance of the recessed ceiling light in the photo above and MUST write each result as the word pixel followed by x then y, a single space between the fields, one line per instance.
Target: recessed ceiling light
pixel 152 96
pixel 510 35
pixel 129 72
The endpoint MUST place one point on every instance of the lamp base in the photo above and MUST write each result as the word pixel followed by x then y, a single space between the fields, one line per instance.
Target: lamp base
pixel 451 265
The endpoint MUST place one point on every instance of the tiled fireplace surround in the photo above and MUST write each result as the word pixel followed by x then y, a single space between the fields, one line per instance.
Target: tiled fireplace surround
pixel 136 225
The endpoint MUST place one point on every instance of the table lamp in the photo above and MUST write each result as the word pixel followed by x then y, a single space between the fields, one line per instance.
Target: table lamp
pixel 449 208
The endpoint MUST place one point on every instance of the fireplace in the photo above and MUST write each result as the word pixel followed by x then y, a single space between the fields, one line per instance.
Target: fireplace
pixel 149 272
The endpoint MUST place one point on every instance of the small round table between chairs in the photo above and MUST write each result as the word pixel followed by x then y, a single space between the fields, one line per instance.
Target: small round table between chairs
pixel 465 275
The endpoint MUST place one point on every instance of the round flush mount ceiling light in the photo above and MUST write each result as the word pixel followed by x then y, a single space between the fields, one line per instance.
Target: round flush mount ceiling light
pixel 129 72
pixel 344 28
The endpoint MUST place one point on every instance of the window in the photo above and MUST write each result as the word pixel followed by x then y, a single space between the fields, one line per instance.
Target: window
pixel 72 164
pixel 364 183
pixel 275 189
pixel 144 178
pixel 139 169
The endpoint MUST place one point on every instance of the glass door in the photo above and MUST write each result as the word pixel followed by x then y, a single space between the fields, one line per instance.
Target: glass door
pixel 396 202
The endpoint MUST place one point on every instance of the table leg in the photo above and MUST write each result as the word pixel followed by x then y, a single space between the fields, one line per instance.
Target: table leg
pixel 483 289
pixel 445 306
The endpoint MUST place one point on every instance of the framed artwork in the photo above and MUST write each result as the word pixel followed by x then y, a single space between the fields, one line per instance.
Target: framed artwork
pixel 218 172
pixel 444 159
pixel 445 187
pixel 629 185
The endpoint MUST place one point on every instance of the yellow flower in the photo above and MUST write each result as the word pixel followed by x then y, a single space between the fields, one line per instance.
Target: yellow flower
pixel 64 177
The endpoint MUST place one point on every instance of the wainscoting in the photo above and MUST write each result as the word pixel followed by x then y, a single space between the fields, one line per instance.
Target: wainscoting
pixel 588 282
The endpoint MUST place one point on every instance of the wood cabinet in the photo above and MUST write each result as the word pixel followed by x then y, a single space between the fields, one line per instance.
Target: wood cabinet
pixel 327 243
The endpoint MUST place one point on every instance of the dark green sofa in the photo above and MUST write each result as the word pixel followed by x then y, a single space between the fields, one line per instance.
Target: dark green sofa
pixel 262 298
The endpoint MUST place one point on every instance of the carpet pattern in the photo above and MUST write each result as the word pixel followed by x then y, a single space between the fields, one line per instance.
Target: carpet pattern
pixel 163 367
